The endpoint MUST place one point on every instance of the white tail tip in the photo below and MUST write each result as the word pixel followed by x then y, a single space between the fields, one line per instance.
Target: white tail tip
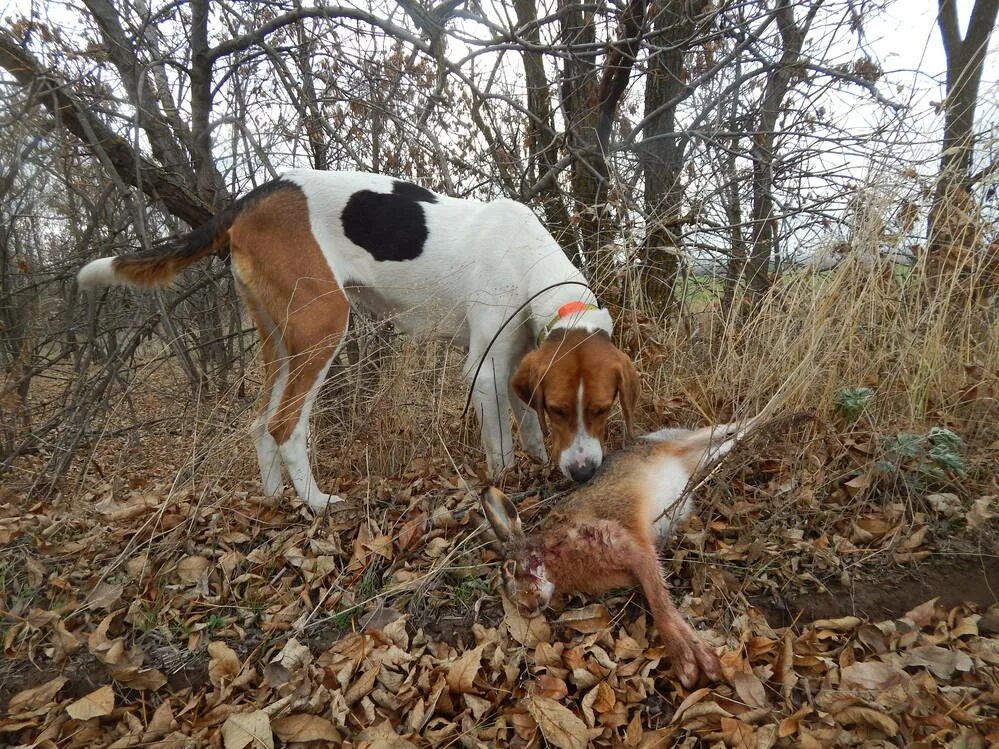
pixel 97 273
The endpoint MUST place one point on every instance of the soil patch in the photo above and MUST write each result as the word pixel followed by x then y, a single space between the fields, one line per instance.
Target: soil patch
pixel 893 591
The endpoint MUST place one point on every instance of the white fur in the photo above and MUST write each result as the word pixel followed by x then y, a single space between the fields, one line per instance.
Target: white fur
pixel 584 446
pixel 97 273
pixel 591 320
pixel 668 478
pixel 479 263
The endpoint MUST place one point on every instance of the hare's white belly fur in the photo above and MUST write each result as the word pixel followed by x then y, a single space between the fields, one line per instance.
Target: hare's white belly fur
pixel 666 480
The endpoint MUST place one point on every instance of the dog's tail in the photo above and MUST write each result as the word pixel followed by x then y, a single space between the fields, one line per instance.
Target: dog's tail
pixel 158 265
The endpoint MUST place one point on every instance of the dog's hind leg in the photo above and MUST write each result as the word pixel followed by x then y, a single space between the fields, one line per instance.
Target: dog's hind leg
pixel 313 336
pixel 274 359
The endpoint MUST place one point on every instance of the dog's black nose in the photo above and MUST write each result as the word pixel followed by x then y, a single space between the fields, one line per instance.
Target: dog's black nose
pixel 583 471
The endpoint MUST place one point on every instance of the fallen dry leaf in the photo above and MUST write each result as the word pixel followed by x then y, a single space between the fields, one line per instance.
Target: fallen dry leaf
pixel 980 512
pixel 98 703
pixel 923 614
pixel 843 624
pixel 871 675
pixel 559 725
pixel 867 716
pixel 941 661
pixel 464 670
pixel 36 697
pixel 190 569
pixel 252 730
pixel 304 727
pixel 588 619
pixel 528 631
pixel 224 664
pixel 750 689
pixel 139 678
pixel 293 657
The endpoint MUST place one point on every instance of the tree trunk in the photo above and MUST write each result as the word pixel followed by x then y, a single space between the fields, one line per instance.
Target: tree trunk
pixel 764 230
pixel 952 236
pixel 542 141
pixel 661 151
pixel 579 106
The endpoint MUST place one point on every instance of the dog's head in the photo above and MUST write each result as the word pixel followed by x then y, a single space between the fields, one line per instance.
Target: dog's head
pixel 571 381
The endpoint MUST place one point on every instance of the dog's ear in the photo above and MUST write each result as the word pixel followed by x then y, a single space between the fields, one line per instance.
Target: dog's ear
pixel 502 515
pixel 629 388
pixel 526 383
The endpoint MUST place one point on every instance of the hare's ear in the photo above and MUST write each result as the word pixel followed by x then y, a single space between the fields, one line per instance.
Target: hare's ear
pixel 502 515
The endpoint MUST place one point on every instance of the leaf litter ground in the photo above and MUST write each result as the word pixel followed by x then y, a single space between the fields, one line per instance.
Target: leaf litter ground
pixel 143 612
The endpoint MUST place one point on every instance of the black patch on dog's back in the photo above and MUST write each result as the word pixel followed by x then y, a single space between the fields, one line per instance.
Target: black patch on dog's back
pixel 389 226
pixel 413 192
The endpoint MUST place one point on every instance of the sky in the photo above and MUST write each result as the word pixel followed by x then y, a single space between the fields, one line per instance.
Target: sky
pixel 907 42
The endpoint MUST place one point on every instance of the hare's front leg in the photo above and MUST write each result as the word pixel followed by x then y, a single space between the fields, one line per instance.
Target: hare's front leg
pixel 691 656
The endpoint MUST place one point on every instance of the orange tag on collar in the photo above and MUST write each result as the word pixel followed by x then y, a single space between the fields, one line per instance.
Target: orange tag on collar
pixel 572 307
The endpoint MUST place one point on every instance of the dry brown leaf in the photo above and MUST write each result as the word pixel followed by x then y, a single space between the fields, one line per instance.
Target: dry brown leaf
pixel 980 512
pixel 692 699
pixel 362 686
pixel 867 716
pixel 871 675
pixel 190 569
pixel 138 678
pixel 750 689
pixel 843 624
pixel 738 735
pixel 528 631
pixel 464 670
pixel 550 686
pixel 923 613
pixel 785 666
pixel 410 532
pixel 588 619
pixel 105 595
pixel 64 643
pixel 304 727
pixel 224 664
pixel 253 730
pixel 916 538
pixel 98 703
pixel 293 657
pixel 559 725
pixel 36 697
pixel 941 661
pixel 382 736
pixel 161 722
pixel 380 545
pixel 857 484
pixel 436 547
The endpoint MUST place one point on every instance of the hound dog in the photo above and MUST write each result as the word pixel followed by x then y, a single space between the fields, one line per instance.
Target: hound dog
pixel 309 246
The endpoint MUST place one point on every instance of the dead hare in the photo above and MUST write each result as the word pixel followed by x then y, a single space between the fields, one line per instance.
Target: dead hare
pixel 606 533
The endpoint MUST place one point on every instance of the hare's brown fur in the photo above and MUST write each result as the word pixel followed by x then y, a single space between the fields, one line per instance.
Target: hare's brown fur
pixel 604 536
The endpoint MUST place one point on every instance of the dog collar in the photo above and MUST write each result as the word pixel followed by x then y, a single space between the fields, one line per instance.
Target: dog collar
pixel 566 310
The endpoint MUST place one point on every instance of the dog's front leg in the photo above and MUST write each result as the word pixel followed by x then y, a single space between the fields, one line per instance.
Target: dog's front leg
pixel 491 401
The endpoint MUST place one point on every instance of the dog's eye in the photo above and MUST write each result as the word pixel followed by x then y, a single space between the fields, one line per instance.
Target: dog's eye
pixel 599 410
pixel 558 411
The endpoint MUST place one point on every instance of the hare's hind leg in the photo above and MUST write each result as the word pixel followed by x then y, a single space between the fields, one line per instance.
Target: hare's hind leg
pixel 690 655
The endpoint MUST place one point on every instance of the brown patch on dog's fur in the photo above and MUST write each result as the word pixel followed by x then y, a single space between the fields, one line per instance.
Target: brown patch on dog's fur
pixel 161 262
pixel 299 308
pixel 548 380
